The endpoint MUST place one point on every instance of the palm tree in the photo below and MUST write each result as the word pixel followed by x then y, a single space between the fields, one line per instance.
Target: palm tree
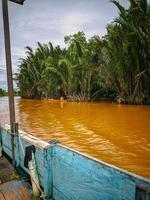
pixel 115 65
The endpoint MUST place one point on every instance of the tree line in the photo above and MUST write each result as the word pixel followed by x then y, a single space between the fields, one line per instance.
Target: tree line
pixel 3 92
pixel 115 66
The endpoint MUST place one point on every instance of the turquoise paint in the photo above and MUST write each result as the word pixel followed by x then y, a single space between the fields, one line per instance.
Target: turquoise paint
pixel 16 143
pixel 7 150
pixel 39 157
pixel 69 175
pixel 14 185
pixel 48 172
pixel 0 143
pixel 75 174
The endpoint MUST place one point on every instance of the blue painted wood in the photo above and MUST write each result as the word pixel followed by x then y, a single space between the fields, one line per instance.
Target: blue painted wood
pixel 16 149
pixel 7 150
pixel 68 175
pixel 141 195
pixel 0 143
pixel 6 142
pixel 48 172
pixel 79 178
pixel 42 158
pixel 0 135
pixel 59 195
pixel 6 139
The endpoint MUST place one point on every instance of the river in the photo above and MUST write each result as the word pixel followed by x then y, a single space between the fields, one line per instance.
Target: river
pixel 117 134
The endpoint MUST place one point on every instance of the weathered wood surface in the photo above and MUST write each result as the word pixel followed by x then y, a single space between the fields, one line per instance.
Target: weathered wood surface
pixel 7 171
pixel 15 190
pixel 42 156
pixel 66 174
pixel 11 186
pixel 78 178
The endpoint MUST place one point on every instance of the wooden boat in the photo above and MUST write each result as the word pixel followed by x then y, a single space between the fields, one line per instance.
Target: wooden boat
pixel 57 171
pixel 66 174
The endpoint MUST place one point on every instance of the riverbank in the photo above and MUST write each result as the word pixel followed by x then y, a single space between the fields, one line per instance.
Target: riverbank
pixel 109 100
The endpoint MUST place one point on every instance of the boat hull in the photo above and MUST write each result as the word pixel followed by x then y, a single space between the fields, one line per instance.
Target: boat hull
pixel 66 174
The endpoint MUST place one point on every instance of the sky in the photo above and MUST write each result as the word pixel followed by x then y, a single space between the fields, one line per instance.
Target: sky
pixel 51 20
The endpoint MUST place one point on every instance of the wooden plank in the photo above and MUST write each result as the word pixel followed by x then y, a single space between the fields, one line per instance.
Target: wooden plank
pixel 70 175
pixel 2 196
pixel 7 150
pixel 7 171
pixel 59 195
pixel 44 173
pixel 42 157
pixel 47 173
pixel 140 181
pixel 27 137
pixel 16 190
pixel 6 138
pixel 81 179
pixel 142 195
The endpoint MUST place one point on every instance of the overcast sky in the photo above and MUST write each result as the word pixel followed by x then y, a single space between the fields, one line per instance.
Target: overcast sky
pixel 51 20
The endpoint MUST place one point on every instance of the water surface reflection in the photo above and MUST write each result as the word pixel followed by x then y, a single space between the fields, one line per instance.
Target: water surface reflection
pixel 117 134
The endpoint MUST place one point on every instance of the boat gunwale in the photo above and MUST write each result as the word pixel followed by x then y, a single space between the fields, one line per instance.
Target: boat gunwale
pixel 44 145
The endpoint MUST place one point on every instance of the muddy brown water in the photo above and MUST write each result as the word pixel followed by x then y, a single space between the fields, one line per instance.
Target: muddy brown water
pixel 117 134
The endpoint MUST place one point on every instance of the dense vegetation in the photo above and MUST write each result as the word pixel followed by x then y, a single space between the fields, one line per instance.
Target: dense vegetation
pixel 3 92
pixel 116 66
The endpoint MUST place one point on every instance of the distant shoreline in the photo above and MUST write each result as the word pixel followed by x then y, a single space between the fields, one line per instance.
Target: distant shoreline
pixel 102 100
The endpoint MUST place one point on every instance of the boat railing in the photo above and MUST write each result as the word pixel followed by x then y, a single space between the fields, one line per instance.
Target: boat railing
pixel 70 175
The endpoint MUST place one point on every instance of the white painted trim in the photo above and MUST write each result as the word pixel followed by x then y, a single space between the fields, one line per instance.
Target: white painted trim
pixel 30 138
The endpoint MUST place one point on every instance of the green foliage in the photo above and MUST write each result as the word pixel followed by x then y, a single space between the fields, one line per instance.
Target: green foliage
pixel 3 92
pixel 116 65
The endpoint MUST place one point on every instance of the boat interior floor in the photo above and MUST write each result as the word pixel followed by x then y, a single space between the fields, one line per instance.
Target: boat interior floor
pixel 12 186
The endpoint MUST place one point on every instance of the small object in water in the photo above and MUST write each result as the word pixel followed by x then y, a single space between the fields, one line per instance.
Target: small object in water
pixel 61 98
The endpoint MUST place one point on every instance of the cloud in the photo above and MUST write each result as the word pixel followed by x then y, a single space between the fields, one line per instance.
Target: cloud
pixel 51 20
pixel 2 77
pixel 74 22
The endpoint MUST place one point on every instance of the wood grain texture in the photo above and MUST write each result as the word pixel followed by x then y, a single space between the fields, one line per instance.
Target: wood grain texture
pixel 78 178
pixel 16 190
pixel 42 157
